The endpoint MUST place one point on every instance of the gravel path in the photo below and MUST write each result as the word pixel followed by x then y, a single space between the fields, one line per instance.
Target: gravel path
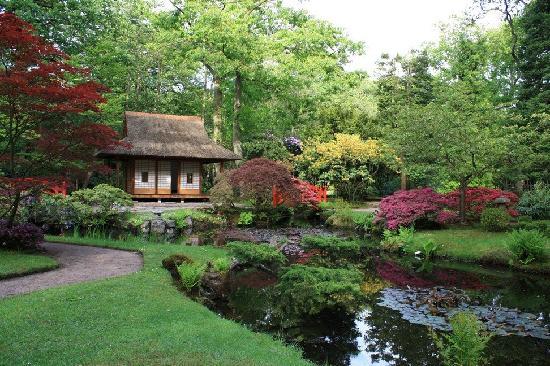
pixel 76 264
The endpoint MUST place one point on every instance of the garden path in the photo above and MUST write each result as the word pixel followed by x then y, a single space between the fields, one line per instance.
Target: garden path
pixel 76 264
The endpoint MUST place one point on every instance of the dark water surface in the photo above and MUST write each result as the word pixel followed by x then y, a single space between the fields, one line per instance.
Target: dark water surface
pixel 378 335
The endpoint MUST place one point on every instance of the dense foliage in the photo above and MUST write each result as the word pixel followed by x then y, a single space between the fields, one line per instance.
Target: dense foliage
pixel 256 179
pixel 405 208
pixel 307 290
pixel 478 198
pixel 191 274
pixel 101 208
pixel 348 163
pixel 536 203
pixel 19 236
pixel 198 219
pixel 334 249
pixel 424 206
pixel 494 219
pixel 466 344
pixel 527 245
pixel 262 255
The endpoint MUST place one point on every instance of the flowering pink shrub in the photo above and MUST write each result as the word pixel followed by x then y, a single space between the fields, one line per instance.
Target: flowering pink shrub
pixel 447 217
pixel 403 208
pixel 477 198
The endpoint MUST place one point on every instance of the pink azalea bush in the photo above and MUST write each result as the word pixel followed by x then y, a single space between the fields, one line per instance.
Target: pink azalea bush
pixel 404 208
pixel 477 198
pixel 447 217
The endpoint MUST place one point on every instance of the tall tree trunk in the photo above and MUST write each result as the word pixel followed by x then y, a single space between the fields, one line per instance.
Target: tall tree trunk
pixel 218 100
pixel 403 176
pixel 14 207
pixel 237 148
pixel 217 117
pixel 403 181
pixel 462 201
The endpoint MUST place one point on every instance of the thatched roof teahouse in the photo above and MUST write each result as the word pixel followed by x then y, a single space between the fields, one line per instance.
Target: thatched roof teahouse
pixel 163 155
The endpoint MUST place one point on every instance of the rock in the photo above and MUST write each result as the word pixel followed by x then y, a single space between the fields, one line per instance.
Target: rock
pixel 501 200
pixel 170 234
pixel 146 227
pixel 434 307
pixel 189 222
pixel 158 227
pixel 170 224
pixel 214 286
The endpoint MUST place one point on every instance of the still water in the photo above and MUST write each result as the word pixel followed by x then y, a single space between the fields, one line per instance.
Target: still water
pixel 379 335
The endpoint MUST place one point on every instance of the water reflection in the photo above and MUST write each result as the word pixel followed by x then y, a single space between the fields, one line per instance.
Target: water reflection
pixel 380 336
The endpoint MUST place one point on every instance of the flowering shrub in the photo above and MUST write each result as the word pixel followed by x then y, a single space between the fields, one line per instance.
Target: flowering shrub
pixel 23 236
pixel 256 178
pixel 348 163
pixel 293 144
pixel 447 217
pixel 308 195
pixel 480 197
pixel 404 208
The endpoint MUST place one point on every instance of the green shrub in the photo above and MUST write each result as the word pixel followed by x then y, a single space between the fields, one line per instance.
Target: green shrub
pixel 136 219
pixel 342 218
pixel 346 218
pixel 526 245
pixel 429 247
pixel 222 194
pixel 50 209
pixel 541 225
pixel 536 203
pixel 337 204
pixel 305 290
pixel 100 208
pixel 245 218
pixel 201 219
pixel 363 221
pixel 221 264
pixel 465 345
pixel 395 241
pixel 256 254
pixel 191 274
pixel 495 219
pixel 332 247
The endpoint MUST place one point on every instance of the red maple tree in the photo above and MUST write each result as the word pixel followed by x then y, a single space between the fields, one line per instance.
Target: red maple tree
pixel 46 109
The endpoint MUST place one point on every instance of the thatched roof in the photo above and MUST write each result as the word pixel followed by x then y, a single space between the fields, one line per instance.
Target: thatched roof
pixel 167 136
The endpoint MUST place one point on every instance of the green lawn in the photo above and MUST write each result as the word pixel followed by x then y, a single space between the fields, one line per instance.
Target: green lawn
pixel 14 263
pixel 475 245
pixel 139 319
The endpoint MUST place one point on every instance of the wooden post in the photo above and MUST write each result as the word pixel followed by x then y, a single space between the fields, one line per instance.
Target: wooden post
pixel 117 165
pixel 403 181
pixel 156 177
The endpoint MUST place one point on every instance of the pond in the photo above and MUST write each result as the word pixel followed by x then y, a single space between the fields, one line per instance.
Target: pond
pixel 390 329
